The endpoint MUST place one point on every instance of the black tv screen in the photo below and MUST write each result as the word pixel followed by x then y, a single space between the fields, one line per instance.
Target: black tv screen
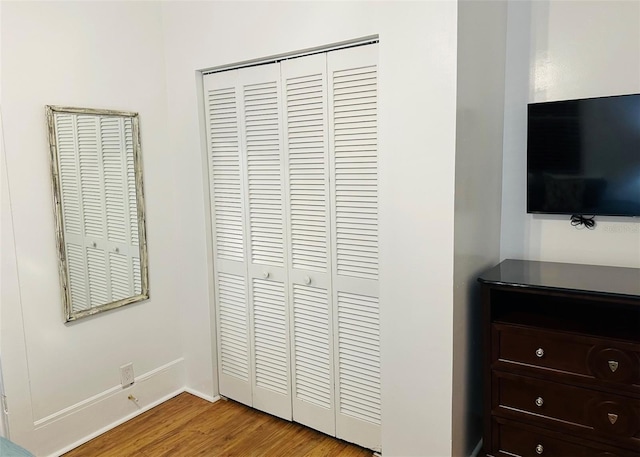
pixel 583 156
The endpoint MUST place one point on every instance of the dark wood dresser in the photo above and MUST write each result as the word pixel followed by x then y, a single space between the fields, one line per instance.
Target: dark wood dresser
pixel 562 360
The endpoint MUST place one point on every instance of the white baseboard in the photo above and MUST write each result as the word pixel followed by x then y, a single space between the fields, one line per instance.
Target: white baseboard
pixel 89 418
pixel 199 394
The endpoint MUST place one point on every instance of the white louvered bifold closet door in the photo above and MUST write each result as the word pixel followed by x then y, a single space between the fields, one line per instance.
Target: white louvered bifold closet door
pixel 265 227
pixel 304 88
pixel 294 206
pixel 226 186
pixel 352 75
pixel 95 196
pixel 248 211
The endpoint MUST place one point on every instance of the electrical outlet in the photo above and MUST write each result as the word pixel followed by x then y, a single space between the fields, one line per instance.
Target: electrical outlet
pixel 126 375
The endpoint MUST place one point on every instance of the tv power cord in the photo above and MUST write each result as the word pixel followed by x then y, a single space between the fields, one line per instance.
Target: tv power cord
pixel 578 220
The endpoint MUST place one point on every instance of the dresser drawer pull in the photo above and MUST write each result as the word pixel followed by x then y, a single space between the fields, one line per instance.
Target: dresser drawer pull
pixel 612 418
pixel 539 401
pixel 613 365
pixel 539 352
pixel 539 449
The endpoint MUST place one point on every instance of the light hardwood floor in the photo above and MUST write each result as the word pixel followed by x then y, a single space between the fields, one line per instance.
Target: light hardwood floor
pixel 187 426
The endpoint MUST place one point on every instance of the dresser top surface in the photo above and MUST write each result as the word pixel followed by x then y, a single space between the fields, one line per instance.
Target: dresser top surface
pixel 565 277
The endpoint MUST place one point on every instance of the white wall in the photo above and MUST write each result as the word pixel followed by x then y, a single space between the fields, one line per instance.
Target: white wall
pixel 11 336
pixel 63 380
pixel 417 138
pixel 479 131
pixel 562 50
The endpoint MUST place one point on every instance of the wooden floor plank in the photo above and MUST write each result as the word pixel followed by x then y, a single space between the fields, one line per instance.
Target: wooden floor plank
pixel 188 426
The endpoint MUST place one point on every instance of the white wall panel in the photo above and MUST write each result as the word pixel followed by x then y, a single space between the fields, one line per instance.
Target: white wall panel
pixel 87 65
pixel 560 51
pixel 479 135
pixel 417 153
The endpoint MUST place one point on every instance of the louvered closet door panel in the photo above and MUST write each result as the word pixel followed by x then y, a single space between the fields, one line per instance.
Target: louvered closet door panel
pixel 312 364
pixel 355 170
pixel 222 113
pixel 225 172
pixel 359 356
pixel 264 168
pixel 272 388
pixel 265 226
pixel 306 132
pixel 304 89
pixel 352 75
pixel 270 335
pixel 233 332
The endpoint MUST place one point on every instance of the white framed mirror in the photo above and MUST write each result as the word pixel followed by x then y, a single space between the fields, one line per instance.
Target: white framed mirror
pixel 96 169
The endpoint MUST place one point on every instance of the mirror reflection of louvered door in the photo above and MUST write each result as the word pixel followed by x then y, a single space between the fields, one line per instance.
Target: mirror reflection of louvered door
pixel 304 89
pixel 95 156
pixel 294 206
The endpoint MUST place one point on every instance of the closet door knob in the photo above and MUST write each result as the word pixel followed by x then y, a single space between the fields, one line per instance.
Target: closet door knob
pixel 539 401
pixel 539 449
pixel 539 352
pixel 307 280
pixel 265 274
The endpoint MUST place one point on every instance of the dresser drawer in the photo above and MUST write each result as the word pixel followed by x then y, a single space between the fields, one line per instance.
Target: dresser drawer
pixel 607 417
pixel 594 359
pixel 514 439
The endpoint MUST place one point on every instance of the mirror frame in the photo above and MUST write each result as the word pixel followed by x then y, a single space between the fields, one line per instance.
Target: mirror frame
pixel 69 314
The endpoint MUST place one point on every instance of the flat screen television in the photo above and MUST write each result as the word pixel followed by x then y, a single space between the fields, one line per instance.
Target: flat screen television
pixel 583 156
